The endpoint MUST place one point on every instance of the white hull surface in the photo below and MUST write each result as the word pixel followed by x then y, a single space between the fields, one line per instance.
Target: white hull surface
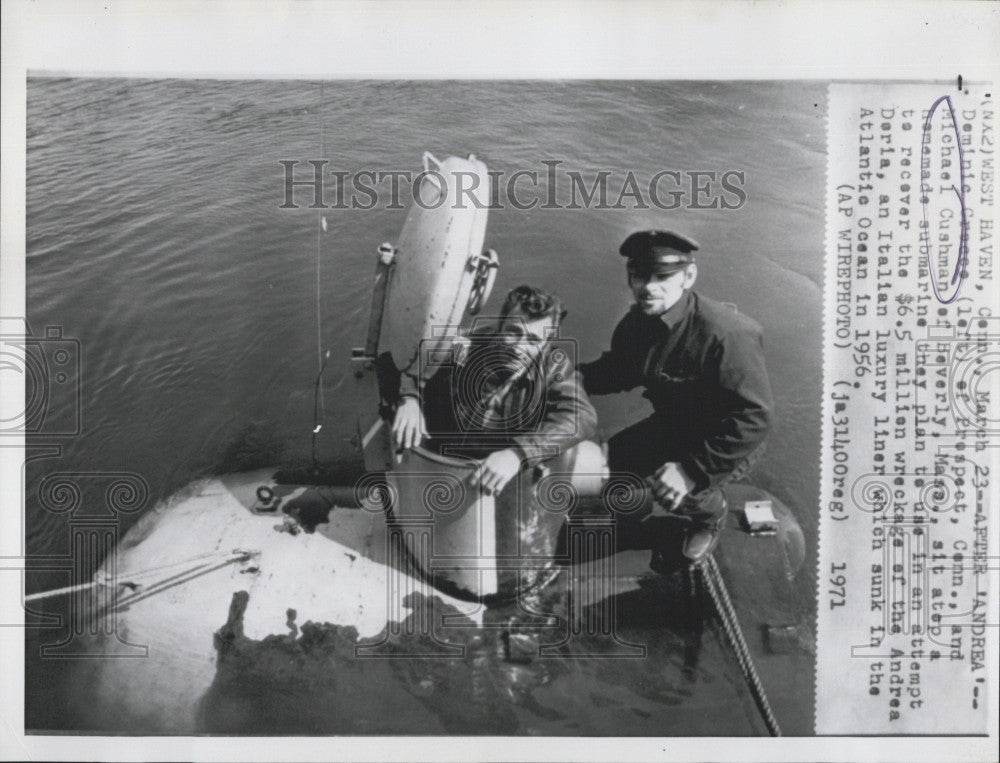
pixel 338 574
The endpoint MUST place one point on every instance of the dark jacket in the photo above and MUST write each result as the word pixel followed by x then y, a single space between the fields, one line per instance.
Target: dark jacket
pixel 702 366
pixel 543 412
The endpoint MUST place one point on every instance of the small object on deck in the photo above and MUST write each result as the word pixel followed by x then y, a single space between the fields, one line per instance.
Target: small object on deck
pixel 267 508
pixel 245 554
pixel 759 517
pixel 386 253
pixel 520 647
pixel 289 526
pixel 781 639
pixel 266 502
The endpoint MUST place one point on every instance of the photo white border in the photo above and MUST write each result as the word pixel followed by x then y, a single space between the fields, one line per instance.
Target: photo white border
pixel 570 39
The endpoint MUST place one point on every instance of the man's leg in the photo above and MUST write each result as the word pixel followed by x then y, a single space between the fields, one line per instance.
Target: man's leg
pixel 639 449
pixel 634 454
pixel 582 465
pixel 707 510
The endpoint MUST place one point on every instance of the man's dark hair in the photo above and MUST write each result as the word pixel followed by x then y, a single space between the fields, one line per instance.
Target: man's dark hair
pixel 534 303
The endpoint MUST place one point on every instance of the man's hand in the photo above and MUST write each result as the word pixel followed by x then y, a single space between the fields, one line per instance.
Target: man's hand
pixel 496 470
pixel 670 484
pixel 408 428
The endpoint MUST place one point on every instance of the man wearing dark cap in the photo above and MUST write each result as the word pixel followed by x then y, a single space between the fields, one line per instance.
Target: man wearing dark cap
pixel 702 366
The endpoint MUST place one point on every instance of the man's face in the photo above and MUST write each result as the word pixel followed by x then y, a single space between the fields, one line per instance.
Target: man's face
pixel 526 336
pixel 656 293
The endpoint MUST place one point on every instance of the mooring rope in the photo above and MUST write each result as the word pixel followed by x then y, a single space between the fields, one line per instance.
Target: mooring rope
pixel 727 615
pixel 61 591
pixel 134 578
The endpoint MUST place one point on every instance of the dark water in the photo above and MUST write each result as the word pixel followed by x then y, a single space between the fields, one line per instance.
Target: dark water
pixel 155 238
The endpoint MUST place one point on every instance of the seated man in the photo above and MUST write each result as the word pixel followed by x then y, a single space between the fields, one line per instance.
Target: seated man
pixel 702 367
pixel 512 399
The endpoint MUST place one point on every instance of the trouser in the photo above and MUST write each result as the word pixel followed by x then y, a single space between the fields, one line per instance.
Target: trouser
pixel 634 454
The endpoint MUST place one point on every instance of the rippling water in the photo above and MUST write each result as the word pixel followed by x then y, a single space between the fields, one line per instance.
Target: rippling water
pixel 155 238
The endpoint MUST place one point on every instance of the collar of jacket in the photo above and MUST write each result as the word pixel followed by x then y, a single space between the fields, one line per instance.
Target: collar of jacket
pixel 675 314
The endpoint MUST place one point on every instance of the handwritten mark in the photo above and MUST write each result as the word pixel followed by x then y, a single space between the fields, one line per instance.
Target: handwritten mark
pixel 958 277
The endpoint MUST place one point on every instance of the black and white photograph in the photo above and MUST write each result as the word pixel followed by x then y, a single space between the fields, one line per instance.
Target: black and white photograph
pixel 291 372
pixel 371 406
